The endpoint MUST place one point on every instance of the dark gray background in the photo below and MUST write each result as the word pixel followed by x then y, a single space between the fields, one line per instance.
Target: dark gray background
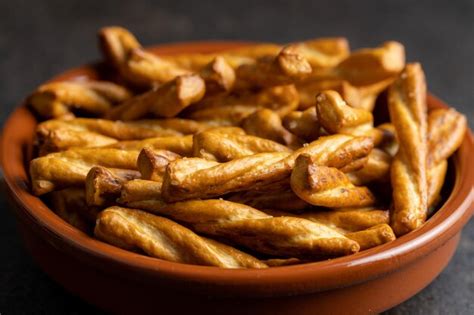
pixel 41 38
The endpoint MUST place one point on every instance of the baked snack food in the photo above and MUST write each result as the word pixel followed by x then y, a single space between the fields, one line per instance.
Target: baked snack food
pixel 256 157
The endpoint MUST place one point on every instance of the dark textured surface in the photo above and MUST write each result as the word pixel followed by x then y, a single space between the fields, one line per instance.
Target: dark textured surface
pixel 41 38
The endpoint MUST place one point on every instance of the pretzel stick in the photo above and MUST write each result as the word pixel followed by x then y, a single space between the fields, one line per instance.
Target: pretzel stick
pixel 218 147
pixel 182 145
pixel 58 99
pixel 326 186
pixel 367 66
pixel 285 68
pixel 280 236
pixel 407 107
pixel 198 178
pixel 140 189
pixel 122 50
pixel 165 239
pixel 70 168
pixel 373 236
pixel 446 129
pixel 166 101
pixel 267 124
pixel 367 226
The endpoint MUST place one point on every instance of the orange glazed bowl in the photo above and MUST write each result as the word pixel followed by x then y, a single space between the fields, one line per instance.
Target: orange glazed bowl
pixel 120 281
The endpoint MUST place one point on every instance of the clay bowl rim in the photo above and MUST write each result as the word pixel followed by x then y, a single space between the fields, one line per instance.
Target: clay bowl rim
pixel 323 275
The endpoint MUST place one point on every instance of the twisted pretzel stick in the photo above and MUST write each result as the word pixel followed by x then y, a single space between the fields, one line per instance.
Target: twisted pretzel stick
pixel 182 145
pixel 140 68
pixel 218 147
pixel 57 99
pixel 285 68
pixel 166 101
pixel 373 236
pixel 165 239
pixel 267 124
pixel 279 236
pixel 198 178
pixel 366 226
pixel 407 107
pixel 368 66
pixel 70 168
pixel 326 186
pixel 446 129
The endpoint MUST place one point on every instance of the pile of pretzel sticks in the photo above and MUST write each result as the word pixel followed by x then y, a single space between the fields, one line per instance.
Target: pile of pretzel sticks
pixel 255 157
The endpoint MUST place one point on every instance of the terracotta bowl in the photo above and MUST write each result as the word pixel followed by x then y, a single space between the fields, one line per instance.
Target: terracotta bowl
pixel 120 281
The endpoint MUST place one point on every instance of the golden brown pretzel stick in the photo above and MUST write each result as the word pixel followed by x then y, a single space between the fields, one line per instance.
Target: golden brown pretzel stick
pixel 131 130
pixel 320 52
pixel 326 186
pixel 49 141
pixel 103 187
pixel 165 239
pixel 304 124
pixel 221 147
pixel 373 236
pixel 70 168
pixel 234 108
pixel 324 52
pixel 199 178
pixel 165 101
pixel 407 107
pixel 446 129
pixel 182 145
pixel 70 205
pixel 308 89
pixel 368 66
pixel 152 163
pixel 265 123
pixel 368 227
pixel 285 68
pixel 281 236
pixel 122 50
pixel 59 99
pixel 376 169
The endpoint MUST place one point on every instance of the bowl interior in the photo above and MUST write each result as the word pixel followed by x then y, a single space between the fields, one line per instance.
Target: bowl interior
pixel 16 151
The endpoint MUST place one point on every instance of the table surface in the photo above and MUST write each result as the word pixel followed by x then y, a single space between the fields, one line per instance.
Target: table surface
pixel 42 38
